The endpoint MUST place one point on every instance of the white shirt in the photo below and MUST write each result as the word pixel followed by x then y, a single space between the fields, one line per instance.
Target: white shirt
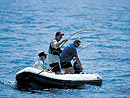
pixel 53 58
pixel 39 65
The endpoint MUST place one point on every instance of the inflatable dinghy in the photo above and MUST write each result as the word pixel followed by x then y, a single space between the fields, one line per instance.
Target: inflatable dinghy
pixel 35 79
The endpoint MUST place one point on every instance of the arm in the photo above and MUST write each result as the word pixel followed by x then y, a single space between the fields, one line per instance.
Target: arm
pixel 77 58
pixel 78 62
pixel 36 65
pixel 59 43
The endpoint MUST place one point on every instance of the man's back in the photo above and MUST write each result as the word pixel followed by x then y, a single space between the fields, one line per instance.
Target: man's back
pixel 68 53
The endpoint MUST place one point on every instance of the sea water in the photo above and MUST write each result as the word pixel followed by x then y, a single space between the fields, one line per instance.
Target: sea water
pixel 28 26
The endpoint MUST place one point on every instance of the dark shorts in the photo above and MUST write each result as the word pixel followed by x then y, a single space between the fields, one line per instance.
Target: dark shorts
pixel 66 64
pixel 56 67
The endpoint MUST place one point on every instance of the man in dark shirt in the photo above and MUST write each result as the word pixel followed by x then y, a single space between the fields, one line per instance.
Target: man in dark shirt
pixel 69 53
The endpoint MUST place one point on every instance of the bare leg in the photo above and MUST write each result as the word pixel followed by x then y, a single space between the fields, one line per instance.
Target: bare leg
pixel 69 70
pixel 58 72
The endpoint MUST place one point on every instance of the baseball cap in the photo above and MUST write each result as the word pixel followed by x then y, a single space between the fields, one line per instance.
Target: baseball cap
pixel 59 33
pixel 42 54
pixel 78 41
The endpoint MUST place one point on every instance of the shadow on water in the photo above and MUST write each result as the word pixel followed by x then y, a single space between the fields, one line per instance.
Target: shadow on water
pixel 13 85
pixel 59 91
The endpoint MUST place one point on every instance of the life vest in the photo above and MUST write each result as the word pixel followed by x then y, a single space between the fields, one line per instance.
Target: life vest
pixel 54 51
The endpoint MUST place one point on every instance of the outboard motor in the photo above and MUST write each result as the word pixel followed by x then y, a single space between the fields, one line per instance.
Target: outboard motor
pixel 77 68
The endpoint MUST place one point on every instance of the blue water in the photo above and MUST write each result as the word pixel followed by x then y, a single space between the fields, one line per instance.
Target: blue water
pixel 27 27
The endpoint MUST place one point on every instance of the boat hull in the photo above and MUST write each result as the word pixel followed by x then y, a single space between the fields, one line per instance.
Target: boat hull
pixel 31 80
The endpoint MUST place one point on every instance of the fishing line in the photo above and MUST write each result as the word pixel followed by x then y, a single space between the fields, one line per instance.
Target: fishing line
pixel 107 39
pixel 111 48
pixel 98 40
pixel 87 47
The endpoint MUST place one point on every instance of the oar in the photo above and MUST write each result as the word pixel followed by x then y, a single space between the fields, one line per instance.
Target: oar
pixel 74 34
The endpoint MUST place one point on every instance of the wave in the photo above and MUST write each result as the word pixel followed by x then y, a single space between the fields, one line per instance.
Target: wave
pixel 8 83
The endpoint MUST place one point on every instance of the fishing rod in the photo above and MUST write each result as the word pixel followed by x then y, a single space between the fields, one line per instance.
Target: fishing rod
pixel 76 33
pixel 89 44
pixel 87 47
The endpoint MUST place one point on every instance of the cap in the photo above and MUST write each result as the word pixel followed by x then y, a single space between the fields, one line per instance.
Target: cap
pixel 59 33
pixel 42 54
pixel 78 40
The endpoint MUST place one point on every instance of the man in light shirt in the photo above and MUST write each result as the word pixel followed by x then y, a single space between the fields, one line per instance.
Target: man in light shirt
pixel 55 51
pixel 40 64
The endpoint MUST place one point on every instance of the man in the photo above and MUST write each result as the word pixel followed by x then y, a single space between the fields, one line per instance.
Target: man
pixel 40 63
pixel 69 53
pixel 54 52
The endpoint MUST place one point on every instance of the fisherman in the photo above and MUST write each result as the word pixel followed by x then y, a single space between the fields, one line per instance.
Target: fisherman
pixel 69 53
pixel 55 51
pixel 40 64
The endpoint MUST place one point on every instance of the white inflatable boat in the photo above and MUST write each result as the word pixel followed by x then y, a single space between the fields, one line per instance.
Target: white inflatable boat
pixel 35 79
